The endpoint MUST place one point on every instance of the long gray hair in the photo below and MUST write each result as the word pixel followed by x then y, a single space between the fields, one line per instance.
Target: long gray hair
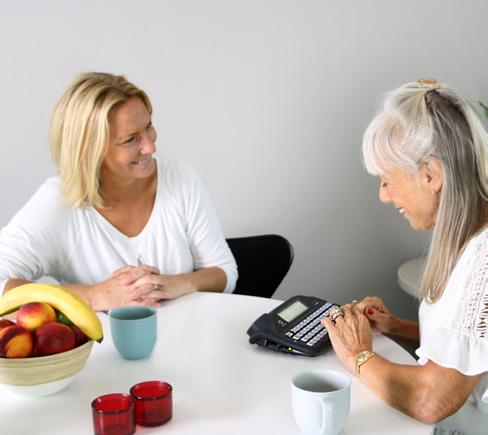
pixel 424 119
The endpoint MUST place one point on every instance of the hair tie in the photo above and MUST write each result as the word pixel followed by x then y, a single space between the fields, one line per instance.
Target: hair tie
pixel 428 83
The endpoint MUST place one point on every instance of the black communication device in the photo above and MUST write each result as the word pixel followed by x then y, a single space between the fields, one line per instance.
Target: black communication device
pixel 293 327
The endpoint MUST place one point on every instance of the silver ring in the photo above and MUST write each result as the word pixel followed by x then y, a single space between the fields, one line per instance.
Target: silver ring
pixel 355 301
pixel 335 316
pixel 335 310
pixel 335 313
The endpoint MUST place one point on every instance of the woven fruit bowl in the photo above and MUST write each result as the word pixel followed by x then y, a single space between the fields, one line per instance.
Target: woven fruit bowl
pixel 43 375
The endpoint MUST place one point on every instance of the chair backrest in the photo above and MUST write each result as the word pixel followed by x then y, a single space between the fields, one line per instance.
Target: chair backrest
pixel 262 262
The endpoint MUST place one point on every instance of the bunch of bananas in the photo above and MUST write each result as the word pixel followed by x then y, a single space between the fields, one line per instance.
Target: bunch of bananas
pixel 66 302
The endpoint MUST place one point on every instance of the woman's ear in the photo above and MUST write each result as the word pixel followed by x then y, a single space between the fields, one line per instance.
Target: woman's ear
pixel 431 175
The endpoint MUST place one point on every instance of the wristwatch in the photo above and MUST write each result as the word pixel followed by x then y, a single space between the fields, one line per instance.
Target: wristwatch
pixel 362 358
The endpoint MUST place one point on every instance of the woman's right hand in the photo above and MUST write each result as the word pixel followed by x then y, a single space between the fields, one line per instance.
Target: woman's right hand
pixel 378 315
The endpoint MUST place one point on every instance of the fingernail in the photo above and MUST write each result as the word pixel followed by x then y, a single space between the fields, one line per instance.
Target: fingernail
pixel 369 311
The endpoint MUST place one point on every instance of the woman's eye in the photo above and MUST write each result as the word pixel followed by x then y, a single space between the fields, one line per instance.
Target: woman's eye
pixel 384 184
pixel 130 140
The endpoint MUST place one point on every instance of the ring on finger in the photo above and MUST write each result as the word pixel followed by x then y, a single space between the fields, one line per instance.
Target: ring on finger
pixel 336 313
pixel 335 310
pixel 336 316
pixel 354 301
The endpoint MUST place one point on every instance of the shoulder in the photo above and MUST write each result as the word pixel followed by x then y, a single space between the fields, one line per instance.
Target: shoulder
pixel 474 259
pixel 172 170
pixel 50 190
pixel 479 242
pixel 44 207
pixel 176 176
pixel 474 255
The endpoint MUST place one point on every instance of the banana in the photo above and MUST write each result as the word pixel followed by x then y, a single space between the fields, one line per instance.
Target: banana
pixel 71 305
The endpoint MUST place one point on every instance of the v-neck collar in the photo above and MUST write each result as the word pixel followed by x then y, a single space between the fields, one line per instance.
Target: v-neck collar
pixel 119 235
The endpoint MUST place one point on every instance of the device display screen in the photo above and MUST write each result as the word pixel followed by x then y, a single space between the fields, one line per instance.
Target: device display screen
pixel 293 311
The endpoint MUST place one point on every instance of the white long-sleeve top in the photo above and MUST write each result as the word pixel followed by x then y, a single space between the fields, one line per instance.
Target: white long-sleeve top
pixel 50 238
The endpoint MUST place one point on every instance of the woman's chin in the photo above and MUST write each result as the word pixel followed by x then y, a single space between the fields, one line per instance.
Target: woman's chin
pixel 420 226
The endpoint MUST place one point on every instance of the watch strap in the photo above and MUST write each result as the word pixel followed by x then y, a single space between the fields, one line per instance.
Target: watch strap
pixel 362 358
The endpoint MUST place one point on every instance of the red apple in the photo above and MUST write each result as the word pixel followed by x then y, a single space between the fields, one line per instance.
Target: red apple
pixel 15 342
pixel 5 322
pixel 54 338
pixel 34 314
pixel 80 336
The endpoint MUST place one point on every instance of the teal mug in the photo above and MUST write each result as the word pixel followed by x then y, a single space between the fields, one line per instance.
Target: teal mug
pixel 134 331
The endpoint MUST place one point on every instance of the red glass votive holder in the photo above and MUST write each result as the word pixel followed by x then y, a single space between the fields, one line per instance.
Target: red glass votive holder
pixel 113 414
pixel 153 402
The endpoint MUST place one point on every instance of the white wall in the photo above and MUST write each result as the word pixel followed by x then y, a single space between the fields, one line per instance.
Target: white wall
pixel 266 98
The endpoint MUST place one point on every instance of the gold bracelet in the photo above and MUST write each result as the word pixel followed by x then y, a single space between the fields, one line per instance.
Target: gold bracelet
pixel 362 358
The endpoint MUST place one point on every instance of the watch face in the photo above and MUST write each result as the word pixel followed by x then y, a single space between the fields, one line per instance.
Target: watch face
pixel 362 356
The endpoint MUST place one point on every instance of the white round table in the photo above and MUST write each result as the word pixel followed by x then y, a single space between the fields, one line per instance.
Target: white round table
pixel 409 276
pixel 222 384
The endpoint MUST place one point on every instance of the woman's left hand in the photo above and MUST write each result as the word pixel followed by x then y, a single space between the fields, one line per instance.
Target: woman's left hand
pixel 159 287
pixel 349 335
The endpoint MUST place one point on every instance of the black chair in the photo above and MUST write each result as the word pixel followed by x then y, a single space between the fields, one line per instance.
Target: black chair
pixel 262 262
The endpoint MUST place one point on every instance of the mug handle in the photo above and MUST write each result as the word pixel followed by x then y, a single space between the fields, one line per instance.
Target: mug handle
pixel 327 408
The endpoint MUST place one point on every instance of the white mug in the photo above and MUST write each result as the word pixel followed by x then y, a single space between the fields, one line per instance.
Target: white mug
pixel 321 401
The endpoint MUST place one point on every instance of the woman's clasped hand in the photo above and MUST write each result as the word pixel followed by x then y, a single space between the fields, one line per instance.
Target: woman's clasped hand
pixel 130 285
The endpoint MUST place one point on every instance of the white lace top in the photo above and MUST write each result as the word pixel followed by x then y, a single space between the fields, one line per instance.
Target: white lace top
pixel 454 334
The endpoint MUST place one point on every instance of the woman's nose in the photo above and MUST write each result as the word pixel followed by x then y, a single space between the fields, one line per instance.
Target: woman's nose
pixel 148 144
pixel 384 195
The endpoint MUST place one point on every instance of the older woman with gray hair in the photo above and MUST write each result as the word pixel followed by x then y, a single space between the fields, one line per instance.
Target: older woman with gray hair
pixel 429 149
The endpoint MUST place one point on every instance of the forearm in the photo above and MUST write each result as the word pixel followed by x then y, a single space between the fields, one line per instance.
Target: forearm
pixel 212 279
pixel 88 293
pixel 427 393
pixel 407 331
pixel 12 283
pixel 81 290
pixel 388 324
pixel 396 384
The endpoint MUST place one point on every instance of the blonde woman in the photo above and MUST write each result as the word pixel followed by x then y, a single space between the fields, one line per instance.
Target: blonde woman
pixel 119 225
pixel 429 149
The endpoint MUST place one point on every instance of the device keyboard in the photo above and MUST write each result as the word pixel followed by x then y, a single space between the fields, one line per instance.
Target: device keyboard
pixel 310 330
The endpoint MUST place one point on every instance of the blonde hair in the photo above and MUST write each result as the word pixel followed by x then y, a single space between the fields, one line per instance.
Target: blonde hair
pixel 415 123
pixel 80 132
